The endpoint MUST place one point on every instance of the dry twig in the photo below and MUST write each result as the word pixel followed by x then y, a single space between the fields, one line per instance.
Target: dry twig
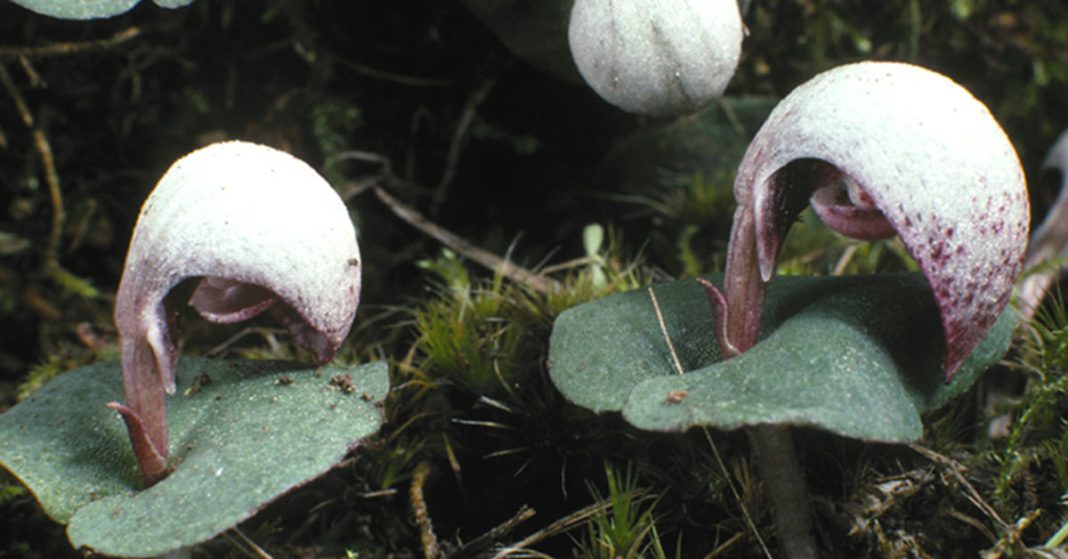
pixel 73 47
pixel 393 77
pixel 245 544
pixel 953 468
pixel 50 261
pixel 558 527
pixel 484 257
pixel 428 540
pixel 452 160
pixel 494 534
pixel 664 332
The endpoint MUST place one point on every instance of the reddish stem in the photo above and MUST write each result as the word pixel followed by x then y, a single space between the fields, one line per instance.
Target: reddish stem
pixel 742 283
pixel 739 308
pixel 739 312
pixel 145 411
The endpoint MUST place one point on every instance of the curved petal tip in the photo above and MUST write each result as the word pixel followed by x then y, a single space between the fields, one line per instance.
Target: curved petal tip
pixel 925 155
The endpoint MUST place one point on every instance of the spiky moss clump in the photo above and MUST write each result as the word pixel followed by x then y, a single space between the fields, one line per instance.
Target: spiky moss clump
pixel 479 357
pixel 623 526
pixel 474 401
pixel 489 338
pixel 1030 462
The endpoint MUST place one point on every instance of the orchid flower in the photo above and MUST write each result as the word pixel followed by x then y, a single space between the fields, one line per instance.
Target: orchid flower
pixel 263 232
pixel 1051 239
pixel 881 148
pixel 877 148
pixel 656 57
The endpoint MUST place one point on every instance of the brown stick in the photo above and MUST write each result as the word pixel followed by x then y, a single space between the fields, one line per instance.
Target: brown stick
pixel 61 49
pixel 484 257
pixel 44 151
pixel 452 160
pixel 422 515
pixel 494 534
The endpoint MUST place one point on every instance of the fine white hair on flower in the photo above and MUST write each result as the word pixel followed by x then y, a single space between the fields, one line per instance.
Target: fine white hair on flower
pixel 263 228
pixel 262 231
pixel 918 154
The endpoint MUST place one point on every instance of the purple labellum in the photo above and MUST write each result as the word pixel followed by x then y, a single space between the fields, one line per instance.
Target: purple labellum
pixel 226 301
pixel 919 156
pixel 263 231
pixel 847 210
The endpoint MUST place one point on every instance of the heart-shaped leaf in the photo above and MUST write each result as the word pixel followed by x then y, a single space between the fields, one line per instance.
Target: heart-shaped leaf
pixel 243 434
pixel 859 356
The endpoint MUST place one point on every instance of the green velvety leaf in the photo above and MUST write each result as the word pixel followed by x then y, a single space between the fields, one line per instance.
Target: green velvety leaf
pixel 89 9
pixel 859 356
pixel 241 438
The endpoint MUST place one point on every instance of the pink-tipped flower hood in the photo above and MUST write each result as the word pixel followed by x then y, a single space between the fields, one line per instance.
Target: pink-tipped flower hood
pixel 885 147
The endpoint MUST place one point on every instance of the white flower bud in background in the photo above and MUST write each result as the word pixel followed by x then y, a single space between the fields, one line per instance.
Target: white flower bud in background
pixel 656 57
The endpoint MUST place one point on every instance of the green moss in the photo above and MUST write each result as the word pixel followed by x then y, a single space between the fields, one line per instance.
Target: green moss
pixel 1037 441
pixel 10 492
pixel 624 526
pixel 487 338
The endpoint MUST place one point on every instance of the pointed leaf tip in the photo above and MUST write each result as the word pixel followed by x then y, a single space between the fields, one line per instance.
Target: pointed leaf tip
pixel 927 155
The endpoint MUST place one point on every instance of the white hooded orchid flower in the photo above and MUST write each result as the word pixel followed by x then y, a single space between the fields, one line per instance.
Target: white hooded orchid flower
pixel 877 148
pixel 882 148
pixel 263 232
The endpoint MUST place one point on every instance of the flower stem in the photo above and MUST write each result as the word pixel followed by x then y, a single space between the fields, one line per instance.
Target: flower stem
pixel 784 484
pixel 772 445
pixel 744 289
pixel 145 411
